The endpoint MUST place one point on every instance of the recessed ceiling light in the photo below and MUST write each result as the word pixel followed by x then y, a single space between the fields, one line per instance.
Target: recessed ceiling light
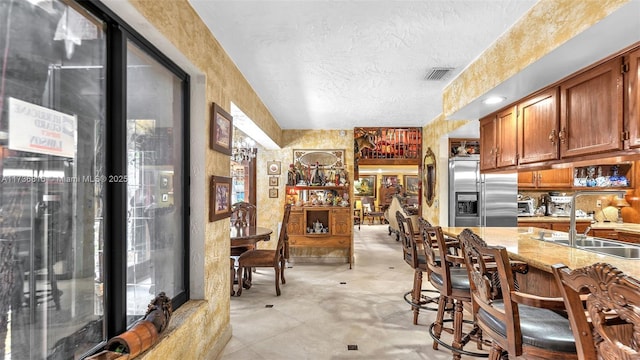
pixel 494 100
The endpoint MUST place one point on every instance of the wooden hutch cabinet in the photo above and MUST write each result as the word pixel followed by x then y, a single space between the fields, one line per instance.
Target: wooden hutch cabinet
pixel 314 229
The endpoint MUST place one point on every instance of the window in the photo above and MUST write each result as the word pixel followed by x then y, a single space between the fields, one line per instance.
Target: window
pixel 154 222
pixel 92 187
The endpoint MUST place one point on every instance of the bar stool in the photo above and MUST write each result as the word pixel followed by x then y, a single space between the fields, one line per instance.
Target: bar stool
pixel 612 331
pixel 519 324
pixel 448 276
pixel 418 262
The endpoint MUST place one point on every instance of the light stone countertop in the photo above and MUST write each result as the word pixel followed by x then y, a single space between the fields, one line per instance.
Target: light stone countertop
pixel 521 244
pixel 524 219
pixel 626 227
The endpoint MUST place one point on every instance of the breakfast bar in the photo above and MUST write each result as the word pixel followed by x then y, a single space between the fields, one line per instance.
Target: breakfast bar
pixel 524 244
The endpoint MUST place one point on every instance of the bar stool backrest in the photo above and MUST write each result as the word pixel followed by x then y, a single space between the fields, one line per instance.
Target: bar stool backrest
pixel 612 304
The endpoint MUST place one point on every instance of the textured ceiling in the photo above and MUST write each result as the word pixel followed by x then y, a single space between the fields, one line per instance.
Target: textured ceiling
pixel 343 64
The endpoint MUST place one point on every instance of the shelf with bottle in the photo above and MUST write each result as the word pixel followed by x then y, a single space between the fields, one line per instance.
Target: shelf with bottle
pixel 603 176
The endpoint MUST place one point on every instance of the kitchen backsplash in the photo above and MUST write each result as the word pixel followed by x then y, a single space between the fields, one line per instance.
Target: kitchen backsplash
pixel 586 203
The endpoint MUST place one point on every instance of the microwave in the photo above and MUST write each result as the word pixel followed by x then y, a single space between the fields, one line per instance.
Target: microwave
pixel 526 207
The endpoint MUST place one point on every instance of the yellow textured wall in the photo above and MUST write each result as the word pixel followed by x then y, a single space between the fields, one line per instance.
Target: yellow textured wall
pixel 546 26
pixel 432 134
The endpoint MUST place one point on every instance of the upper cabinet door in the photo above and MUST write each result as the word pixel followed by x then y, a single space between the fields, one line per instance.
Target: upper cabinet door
pixel 538 127
pixel 633 116
pixel 507 154
pixel 591 111
pixel 488 143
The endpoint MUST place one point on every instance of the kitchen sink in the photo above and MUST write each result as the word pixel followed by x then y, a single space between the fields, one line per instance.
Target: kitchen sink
pixel 623 251
pixel 590 242
pixel 598 245
pixel 581 240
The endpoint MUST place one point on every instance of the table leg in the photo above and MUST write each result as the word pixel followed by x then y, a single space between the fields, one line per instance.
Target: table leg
pixel 247 277
pixel 232 275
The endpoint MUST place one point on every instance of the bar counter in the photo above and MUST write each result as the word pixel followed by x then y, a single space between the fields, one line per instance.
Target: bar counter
pixel 541 255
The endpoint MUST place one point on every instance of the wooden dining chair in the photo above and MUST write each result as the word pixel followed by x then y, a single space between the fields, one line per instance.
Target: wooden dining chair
pixel 520 324
pixel 369 210
pixel 242 214
pixel 268 258
pixel 606 323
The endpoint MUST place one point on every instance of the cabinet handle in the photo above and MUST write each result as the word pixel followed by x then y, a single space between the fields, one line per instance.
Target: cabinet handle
pixel 552 137
pixel 563 135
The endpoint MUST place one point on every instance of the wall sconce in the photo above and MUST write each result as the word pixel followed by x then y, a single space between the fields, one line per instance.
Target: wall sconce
pixel 620 203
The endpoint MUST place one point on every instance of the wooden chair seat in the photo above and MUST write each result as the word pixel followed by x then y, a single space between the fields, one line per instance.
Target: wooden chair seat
pixel 539 327
pixel 459 280
pixel 258 258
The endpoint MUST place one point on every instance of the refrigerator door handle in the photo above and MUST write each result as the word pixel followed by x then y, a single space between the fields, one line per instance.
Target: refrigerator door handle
pixel 478 177
pixel 483 205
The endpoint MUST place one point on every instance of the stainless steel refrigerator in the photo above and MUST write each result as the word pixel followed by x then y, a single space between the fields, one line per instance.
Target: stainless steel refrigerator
pixel 477 199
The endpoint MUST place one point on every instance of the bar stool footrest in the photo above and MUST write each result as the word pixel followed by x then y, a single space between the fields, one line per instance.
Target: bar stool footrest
pixel 424 300
pixel 453 349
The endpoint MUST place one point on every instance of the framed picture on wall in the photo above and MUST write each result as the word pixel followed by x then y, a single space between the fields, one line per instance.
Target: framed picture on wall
pixel 273 192
pixel 219 198
pixel 221 130
pixel 390 180
pixel 411 185
pixel 273 167
pixel 365 186
pixel 273 181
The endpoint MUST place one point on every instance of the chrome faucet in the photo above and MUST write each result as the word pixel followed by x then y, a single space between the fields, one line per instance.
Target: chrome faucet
pixel 572 221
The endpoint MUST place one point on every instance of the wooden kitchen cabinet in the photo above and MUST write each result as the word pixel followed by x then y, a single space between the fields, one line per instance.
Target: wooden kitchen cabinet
pixel 541 225
pixel 591 111
pixel 488 143
pixel 546 179
pixel 632 83
pixel 498 145
pixel 538 127
pixel 629 237
pixel 610 234
pixel 581 227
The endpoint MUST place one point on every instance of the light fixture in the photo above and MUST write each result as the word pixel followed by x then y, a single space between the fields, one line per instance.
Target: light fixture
pixel 243 150
pixel 620 203
pixel 494 100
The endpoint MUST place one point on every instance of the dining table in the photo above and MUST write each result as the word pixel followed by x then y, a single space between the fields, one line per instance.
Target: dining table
pixel 245 237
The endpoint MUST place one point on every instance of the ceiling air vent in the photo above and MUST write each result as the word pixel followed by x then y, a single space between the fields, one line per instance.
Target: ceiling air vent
pixel 438 73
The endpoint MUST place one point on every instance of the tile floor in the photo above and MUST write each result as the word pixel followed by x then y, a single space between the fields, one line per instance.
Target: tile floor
pixel 325 308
